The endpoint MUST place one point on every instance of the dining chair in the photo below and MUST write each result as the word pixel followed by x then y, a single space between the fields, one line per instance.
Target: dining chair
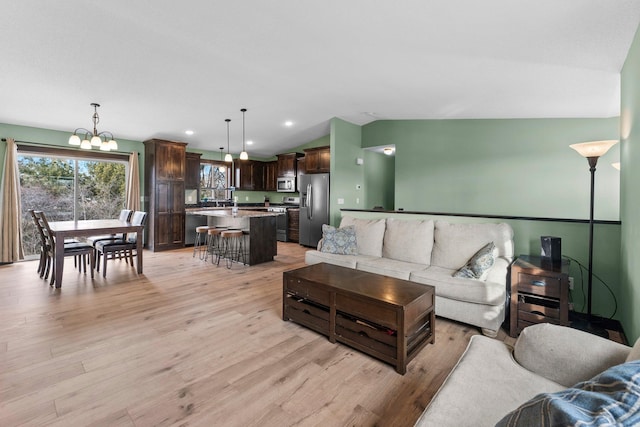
pixel 75 249
pixel 108 249
pixel 45 260
pixel 125 215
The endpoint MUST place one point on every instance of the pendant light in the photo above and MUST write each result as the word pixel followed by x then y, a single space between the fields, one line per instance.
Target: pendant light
pixel 243 155
pixel 228 158
pixel 221 168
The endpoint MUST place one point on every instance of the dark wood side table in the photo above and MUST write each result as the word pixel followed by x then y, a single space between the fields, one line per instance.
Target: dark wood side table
pixel 539 293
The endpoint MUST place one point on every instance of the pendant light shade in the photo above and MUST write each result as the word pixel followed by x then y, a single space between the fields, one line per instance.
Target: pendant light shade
pixel 243 155
pixel 221 168
pixel 228 158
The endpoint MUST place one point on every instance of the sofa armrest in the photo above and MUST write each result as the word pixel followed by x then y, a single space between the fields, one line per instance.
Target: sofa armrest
pixel 564 355
pixel 498 273
pixel 319 247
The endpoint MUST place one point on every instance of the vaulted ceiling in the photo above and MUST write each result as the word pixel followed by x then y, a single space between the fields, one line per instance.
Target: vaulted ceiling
pixel 161 67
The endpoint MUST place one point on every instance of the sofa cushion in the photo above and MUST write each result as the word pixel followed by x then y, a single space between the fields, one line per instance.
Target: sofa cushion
pixel 350 261
pixel 340 241
pixel 456 243
pixel 369 234
pixel 485 385
pixel 410 241
pixel 612 398
pixel 460 289
pixel 478 266
pixel 543 347
pixel 388 267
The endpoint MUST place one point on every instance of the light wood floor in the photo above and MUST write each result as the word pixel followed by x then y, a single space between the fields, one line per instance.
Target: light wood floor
pixel 187 343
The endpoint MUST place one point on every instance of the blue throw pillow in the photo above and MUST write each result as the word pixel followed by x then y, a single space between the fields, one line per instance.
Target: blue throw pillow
pixel 611 398
pixel 340 241
pixel 479 263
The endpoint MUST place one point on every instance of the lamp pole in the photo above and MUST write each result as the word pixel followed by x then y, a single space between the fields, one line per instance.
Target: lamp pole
pixel 592 168
pixel 592 151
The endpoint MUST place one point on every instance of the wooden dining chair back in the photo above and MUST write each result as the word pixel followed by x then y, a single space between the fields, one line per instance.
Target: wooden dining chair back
pixel 125 215
pixel 43 265
pixel 70 249
pixel 107 249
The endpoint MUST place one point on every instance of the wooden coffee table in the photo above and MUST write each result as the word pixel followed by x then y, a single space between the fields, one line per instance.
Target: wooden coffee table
pixel 387 318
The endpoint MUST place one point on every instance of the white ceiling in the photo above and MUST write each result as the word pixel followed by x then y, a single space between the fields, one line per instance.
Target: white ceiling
pixel 160 67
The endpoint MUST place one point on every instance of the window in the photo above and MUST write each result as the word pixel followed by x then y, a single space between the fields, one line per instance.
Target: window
pixel 213 181
pixel 68 188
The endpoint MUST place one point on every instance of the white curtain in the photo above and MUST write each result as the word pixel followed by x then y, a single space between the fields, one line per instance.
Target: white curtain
pixel 133 183
pixel 11 207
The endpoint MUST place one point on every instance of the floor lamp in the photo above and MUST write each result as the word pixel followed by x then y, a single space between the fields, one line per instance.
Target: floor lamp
pixel 592 151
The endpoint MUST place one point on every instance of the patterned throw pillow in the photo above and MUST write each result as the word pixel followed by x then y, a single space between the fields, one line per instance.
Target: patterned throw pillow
pixel 340 241
pixel 611 398
pixel 479 263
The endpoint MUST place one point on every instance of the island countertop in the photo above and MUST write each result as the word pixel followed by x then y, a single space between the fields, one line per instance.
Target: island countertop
pixel 227 212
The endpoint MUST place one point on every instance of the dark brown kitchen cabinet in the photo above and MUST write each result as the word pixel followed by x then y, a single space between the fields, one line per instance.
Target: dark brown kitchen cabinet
pixel 249 175
pixel 192 171
pixel 271 176
pixel 165 166
pixel 287 164
pixel 317 160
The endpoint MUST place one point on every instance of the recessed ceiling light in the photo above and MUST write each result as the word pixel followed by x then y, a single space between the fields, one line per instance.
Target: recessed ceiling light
pixel 249 142
pixel 189 132
pixel 288 123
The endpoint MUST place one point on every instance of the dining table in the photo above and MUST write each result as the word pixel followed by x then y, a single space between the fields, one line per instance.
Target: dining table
pixel 62 230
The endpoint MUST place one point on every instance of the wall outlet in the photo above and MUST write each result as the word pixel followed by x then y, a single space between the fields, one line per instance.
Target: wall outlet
pixel 246 198
pixel 571 283
pixel 341 201
pixel 570 306
pixel 357 200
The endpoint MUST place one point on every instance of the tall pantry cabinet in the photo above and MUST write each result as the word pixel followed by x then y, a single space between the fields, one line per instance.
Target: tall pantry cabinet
pixel 164 165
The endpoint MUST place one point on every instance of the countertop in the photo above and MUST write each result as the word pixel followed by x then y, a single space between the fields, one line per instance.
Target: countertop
pixel 226 212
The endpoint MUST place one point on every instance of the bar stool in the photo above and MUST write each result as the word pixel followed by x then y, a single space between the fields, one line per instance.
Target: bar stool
pixel 214 246
pixel 233 242
pixel 198 245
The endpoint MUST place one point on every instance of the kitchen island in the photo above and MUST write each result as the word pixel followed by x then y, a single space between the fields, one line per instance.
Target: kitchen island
pixel 259 227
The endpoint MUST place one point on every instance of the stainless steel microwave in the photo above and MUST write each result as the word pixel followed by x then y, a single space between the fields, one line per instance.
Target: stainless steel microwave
pixel 286 185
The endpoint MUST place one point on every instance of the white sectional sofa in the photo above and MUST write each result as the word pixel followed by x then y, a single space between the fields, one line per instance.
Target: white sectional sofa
pixel 430 252
pixel 586 380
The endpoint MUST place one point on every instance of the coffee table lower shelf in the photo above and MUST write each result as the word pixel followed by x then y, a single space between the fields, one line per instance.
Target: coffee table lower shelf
pixel 386 318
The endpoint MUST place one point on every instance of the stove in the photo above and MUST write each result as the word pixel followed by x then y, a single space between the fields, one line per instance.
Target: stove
pixel 282 222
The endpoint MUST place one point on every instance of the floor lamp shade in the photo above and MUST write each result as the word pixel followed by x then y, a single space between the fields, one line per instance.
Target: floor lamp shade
pixel 592 151
pixel 594 148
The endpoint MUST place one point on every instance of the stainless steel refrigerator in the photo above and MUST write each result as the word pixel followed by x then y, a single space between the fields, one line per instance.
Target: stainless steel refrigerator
pixel 314 207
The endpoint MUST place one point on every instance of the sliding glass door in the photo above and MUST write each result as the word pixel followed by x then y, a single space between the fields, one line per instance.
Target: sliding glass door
pixel 68 188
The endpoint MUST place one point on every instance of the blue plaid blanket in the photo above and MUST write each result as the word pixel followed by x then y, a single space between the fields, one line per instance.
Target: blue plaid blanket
pixel 611 398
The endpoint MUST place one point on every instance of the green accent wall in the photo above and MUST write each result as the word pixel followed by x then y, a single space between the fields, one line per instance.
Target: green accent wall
pixel 630 202
pixel 520 167
pixel 379 180
pixel 345 173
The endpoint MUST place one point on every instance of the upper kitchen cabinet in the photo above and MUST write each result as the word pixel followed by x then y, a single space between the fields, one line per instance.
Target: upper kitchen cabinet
pixel 164 166
pixel 271 176
pixel 192 173
pixel 169 159
pixel 249 175
pixel 287 165
pixel 317 160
